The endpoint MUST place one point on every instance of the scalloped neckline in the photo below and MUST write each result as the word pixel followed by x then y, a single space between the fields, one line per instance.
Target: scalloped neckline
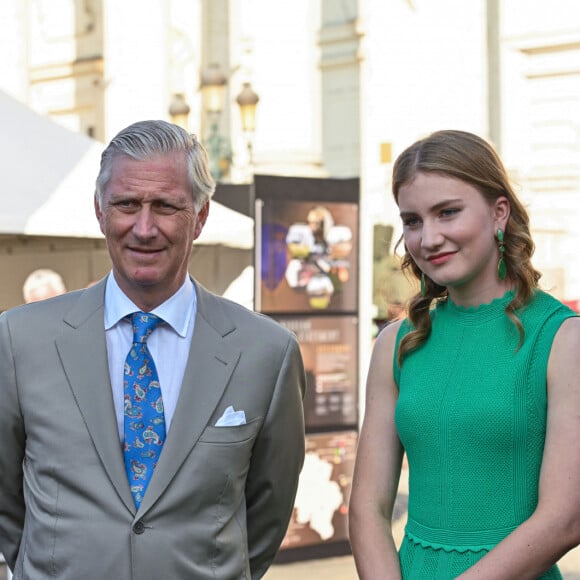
pixel 500 301
pixel 478 314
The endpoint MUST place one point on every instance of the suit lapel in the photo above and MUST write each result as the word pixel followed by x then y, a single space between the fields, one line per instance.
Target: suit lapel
pixel 83 352
pixel 209 367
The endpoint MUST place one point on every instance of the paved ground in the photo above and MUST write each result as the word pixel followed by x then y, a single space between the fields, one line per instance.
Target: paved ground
pixel 343 568
pixel 327 569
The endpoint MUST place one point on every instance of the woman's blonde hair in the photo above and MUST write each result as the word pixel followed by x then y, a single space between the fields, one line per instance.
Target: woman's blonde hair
pixel 473 160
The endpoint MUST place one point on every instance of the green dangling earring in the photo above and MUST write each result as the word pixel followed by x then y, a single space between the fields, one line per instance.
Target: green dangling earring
pixel 423 285
pixel 501 265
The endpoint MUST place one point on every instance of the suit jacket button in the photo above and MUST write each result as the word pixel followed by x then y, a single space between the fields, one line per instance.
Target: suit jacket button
pixel 139 527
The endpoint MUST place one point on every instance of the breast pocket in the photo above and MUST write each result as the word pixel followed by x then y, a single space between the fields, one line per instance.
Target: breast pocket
pixel 231 435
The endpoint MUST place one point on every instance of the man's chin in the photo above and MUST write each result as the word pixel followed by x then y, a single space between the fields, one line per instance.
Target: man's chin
pixel 145 277
pixel 146 281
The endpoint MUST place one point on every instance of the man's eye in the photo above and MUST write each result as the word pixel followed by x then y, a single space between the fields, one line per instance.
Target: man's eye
pixel 125 204
pixel 165 207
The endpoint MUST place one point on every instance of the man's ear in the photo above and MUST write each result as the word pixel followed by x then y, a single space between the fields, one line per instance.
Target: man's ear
pixel 201 219
pixel 99 214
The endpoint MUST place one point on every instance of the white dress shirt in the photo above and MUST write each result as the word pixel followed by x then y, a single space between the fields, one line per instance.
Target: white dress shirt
pixel 169 343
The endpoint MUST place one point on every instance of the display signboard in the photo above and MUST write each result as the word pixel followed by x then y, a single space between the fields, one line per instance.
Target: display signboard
pixel 321 509
pixel 306 252
pixel 309 255
pixel 329 349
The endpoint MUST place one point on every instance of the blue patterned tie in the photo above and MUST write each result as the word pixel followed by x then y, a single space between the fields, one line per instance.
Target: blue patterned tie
pixel 144 418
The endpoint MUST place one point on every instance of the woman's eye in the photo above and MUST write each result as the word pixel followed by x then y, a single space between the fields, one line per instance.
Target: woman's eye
pixel 448 212
pixel 410 222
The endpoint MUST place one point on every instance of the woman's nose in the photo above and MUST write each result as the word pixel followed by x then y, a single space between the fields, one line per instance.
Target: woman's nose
pixel 431 237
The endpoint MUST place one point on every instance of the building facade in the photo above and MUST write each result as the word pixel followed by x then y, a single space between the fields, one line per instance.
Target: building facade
pixel 343 87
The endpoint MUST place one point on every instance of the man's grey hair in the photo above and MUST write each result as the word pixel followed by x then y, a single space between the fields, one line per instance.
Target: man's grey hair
pixel 145 139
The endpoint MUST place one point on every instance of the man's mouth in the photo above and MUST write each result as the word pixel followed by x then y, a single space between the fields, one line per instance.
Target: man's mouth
pixel 144 251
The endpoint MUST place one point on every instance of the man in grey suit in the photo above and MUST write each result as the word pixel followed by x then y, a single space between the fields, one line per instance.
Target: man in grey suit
pixel 224 434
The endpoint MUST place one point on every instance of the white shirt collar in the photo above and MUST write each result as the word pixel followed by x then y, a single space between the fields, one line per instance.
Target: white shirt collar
pixel 176 310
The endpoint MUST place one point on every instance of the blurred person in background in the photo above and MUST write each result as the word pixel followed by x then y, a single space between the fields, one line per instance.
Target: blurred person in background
pixel 148 428
pixel 480 387
pixel 42 284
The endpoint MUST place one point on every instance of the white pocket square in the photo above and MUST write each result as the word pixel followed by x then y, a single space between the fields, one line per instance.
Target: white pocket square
pixel 231 418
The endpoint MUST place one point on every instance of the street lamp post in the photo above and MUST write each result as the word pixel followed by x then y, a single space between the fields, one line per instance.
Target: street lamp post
pixel 179 110
pixel 247 101
pixel 213 88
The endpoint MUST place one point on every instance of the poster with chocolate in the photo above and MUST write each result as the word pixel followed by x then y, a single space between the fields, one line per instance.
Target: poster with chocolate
pixel 309 255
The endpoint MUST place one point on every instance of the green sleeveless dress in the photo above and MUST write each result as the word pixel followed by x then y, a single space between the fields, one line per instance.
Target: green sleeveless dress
pixel 471 415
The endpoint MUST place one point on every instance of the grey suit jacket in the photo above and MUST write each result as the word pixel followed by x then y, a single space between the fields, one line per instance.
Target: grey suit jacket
pixel 221 497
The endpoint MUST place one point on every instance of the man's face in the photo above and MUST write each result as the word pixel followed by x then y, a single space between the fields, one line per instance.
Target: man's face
pixel 149 220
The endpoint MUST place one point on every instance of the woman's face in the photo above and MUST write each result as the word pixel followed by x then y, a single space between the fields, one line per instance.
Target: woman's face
pixel 449 229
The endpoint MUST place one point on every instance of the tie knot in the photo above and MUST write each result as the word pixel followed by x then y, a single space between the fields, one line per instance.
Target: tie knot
pixel 144 323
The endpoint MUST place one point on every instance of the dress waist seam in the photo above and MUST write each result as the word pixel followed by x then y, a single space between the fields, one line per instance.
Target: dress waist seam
pixel 456 540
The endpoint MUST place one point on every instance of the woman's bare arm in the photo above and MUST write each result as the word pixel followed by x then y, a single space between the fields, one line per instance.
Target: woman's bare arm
pixel 377 469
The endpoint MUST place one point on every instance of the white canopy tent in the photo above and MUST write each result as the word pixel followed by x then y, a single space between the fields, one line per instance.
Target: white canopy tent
pixel 48 181
pixel 47 217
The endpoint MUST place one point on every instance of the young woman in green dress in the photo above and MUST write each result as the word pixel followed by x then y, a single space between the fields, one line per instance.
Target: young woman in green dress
pixel 479 387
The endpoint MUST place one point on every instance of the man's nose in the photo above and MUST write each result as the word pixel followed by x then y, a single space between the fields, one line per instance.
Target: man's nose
pixel 144 225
